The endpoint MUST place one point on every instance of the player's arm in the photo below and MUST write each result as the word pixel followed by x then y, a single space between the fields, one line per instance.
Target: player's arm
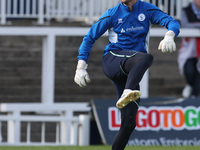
pixel 159 17
pixel 97 29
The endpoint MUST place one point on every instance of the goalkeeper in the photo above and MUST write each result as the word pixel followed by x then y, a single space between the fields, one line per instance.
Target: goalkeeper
pixel 125 58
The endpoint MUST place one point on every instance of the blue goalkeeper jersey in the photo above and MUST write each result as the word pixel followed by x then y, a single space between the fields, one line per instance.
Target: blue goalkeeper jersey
pixel 127 30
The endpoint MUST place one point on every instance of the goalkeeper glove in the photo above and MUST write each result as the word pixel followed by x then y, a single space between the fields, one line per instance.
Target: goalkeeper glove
pixel 81 76
pixel 168 44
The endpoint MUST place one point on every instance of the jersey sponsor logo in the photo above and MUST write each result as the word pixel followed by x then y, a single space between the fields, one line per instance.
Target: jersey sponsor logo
pixel 141 17
pixel 135 29
pixel 132 29
pixel 160 118
pixel 122 31
pixel 120 20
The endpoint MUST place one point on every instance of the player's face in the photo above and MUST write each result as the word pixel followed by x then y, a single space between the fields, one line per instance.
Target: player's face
pixel 197 3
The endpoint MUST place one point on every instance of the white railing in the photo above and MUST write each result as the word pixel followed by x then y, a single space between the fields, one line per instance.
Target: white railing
pixel 70 129
pixel 171 7
pixel 81 10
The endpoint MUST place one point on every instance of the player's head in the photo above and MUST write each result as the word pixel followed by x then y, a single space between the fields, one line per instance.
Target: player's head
pixel 197 3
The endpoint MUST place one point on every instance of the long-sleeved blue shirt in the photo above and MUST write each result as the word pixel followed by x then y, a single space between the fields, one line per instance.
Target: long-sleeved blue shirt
pixel 128 30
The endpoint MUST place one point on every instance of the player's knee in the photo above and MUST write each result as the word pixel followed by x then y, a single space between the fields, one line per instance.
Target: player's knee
pixel 148 60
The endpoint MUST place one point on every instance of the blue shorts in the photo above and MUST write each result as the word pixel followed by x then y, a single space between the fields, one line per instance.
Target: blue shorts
pixel 113 63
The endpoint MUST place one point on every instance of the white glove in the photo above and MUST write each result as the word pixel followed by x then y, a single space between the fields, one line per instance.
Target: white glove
pixel 81 76
pixel 168 44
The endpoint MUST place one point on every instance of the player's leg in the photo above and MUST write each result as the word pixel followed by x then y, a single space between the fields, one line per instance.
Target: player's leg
pixel 192 76
pixel 128 117
pixel 134 67
pixel 128 124
pixel 112 69
pixel 195 91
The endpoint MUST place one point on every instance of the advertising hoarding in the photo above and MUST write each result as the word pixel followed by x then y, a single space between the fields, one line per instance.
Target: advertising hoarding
pixel 160 122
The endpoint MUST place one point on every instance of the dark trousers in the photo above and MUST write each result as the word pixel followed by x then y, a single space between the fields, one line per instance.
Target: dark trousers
pixel 192 75
pixel 126 68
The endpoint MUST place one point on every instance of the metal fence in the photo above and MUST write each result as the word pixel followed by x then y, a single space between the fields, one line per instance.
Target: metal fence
pixel 81 10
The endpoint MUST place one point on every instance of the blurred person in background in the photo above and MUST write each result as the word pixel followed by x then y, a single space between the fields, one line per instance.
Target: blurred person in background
pixel 189 52
pixel 125 58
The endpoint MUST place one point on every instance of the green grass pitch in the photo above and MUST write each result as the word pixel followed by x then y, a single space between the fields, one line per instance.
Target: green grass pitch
pixel 97 148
